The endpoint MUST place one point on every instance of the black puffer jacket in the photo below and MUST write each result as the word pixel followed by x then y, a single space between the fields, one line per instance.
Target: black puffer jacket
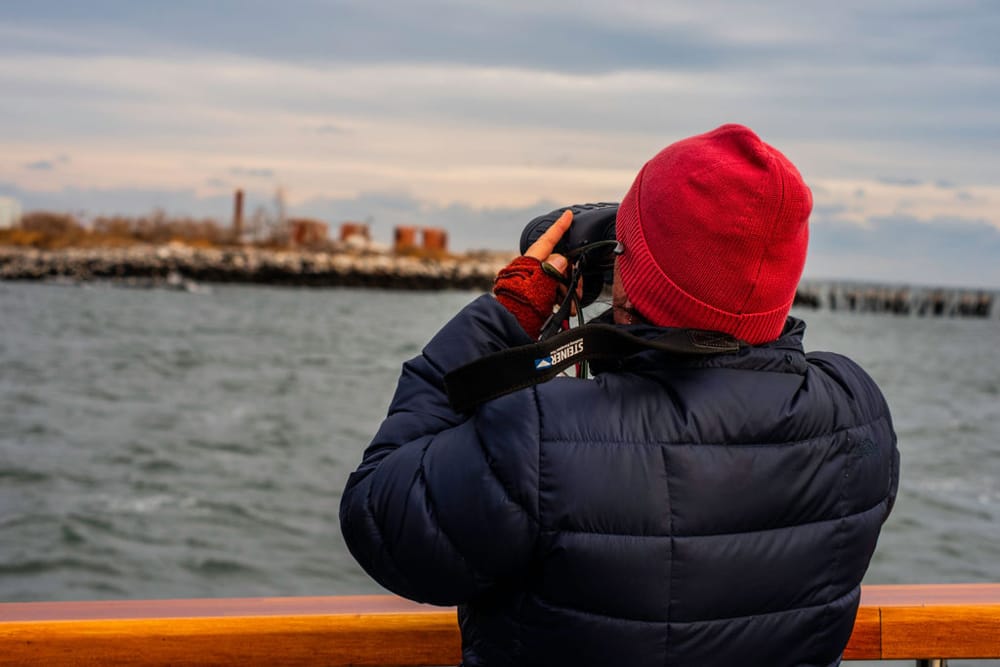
pixel 675 511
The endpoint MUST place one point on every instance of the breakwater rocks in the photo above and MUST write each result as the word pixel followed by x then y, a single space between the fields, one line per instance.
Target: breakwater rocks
pixel 183 267
pixel 171 264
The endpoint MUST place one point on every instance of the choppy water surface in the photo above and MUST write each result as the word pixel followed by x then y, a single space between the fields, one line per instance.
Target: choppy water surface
pixel 167 444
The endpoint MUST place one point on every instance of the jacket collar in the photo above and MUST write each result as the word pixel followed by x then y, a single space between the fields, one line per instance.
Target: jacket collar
pixel 783 355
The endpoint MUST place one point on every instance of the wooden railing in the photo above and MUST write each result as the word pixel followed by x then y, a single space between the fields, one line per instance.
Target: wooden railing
pixel 923 623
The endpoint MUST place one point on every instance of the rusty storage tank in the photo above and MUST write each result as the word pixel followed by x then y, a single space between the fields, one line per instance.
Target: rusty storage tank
pixel 306 232
pixel 435 240
pixel 405 238
pixel 354 229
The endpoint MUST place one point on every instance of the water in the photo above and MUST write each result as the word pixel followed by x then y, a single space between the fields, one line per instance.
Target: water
pixel 158 444
pixel 164 444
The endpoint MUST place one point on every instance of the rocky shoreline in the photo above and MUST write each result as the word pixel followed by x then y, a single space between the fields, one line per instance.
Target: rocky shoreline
pixel 186 268
pixel 173 264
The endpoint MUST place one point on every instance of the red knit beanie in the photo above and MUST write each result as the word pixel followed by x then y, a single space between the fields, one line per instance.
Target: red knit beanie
pixel 715 229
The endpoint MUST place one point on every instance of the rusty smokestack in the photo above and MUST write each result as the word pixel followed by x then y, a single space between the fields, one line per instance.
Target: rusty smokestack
pixel 238 216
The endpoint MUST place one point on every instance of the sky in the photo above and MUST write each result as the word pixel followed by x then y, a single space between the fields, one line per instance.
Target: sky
pixel 478 115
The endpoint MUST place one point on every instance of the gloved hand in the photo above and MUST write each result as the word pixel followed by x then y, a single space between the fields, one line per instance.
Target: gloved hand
pixel 525 288
pixel 527 291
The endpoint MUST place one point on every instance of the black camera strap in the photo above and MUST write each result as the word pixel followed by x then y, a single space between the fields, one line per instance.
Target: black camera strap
pixel 555 321
pixel 509 370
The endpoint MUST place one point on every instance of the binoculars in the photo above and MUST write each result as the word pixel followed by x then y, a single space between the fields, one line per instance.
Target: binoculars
pixel 590 242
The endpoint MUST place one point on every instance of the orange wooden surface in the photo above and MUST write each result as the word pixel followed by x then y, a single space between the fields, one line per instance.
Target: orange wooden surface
pixel 866 640
pixel 894 622
pixel 937 620
pixel 212 607
pixel 370 630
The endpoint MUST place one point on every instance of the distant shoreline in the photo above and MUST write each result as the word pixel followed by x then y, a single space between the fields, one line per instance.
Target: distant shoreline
pixel 185 267
pixel 172 263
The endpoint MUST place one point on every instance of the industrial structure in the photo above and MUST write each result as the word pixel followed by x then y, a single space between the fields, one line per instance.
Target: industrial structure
pixel 432 239
pixel 10 212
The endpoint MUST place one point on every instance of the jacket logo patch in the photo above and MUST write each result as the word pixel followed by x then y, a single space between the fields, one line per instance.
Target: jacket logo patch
pixel 866 448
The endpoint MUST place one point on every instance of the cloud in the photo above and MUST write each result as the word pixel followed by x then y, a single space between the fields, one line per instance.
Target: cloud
pixel 594 37
pixel 330 128
pixel 40 165
pixel 465 134
pixel 481 110
pixel 840 120
pixel 252 172
pixel 47 165
pixel 859 202
pixel 943 251
pixel 591 38
pixel 901 181
pixel 92 202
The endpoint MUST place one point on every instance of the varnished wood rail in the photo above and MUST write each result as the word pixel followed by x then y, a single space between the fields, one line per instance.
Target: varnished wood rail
pixel 894 622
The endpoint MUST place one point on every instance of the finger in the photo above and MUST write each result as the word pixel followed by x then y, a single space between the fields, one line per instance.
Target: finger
pixel 558 262
pixel 546 243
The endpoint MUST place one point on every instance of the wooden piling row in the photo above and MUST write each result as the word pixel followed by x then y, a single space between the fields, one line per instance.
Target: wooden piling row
pixel 897 300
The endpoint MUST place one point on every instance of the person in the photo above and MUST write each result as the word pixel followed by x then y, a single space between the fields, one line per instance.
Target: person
pixel 673 510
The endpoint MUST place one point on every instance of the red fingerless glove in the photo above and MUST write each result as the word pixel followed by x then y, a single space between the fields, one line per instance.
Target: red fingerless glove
pixel 527 291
